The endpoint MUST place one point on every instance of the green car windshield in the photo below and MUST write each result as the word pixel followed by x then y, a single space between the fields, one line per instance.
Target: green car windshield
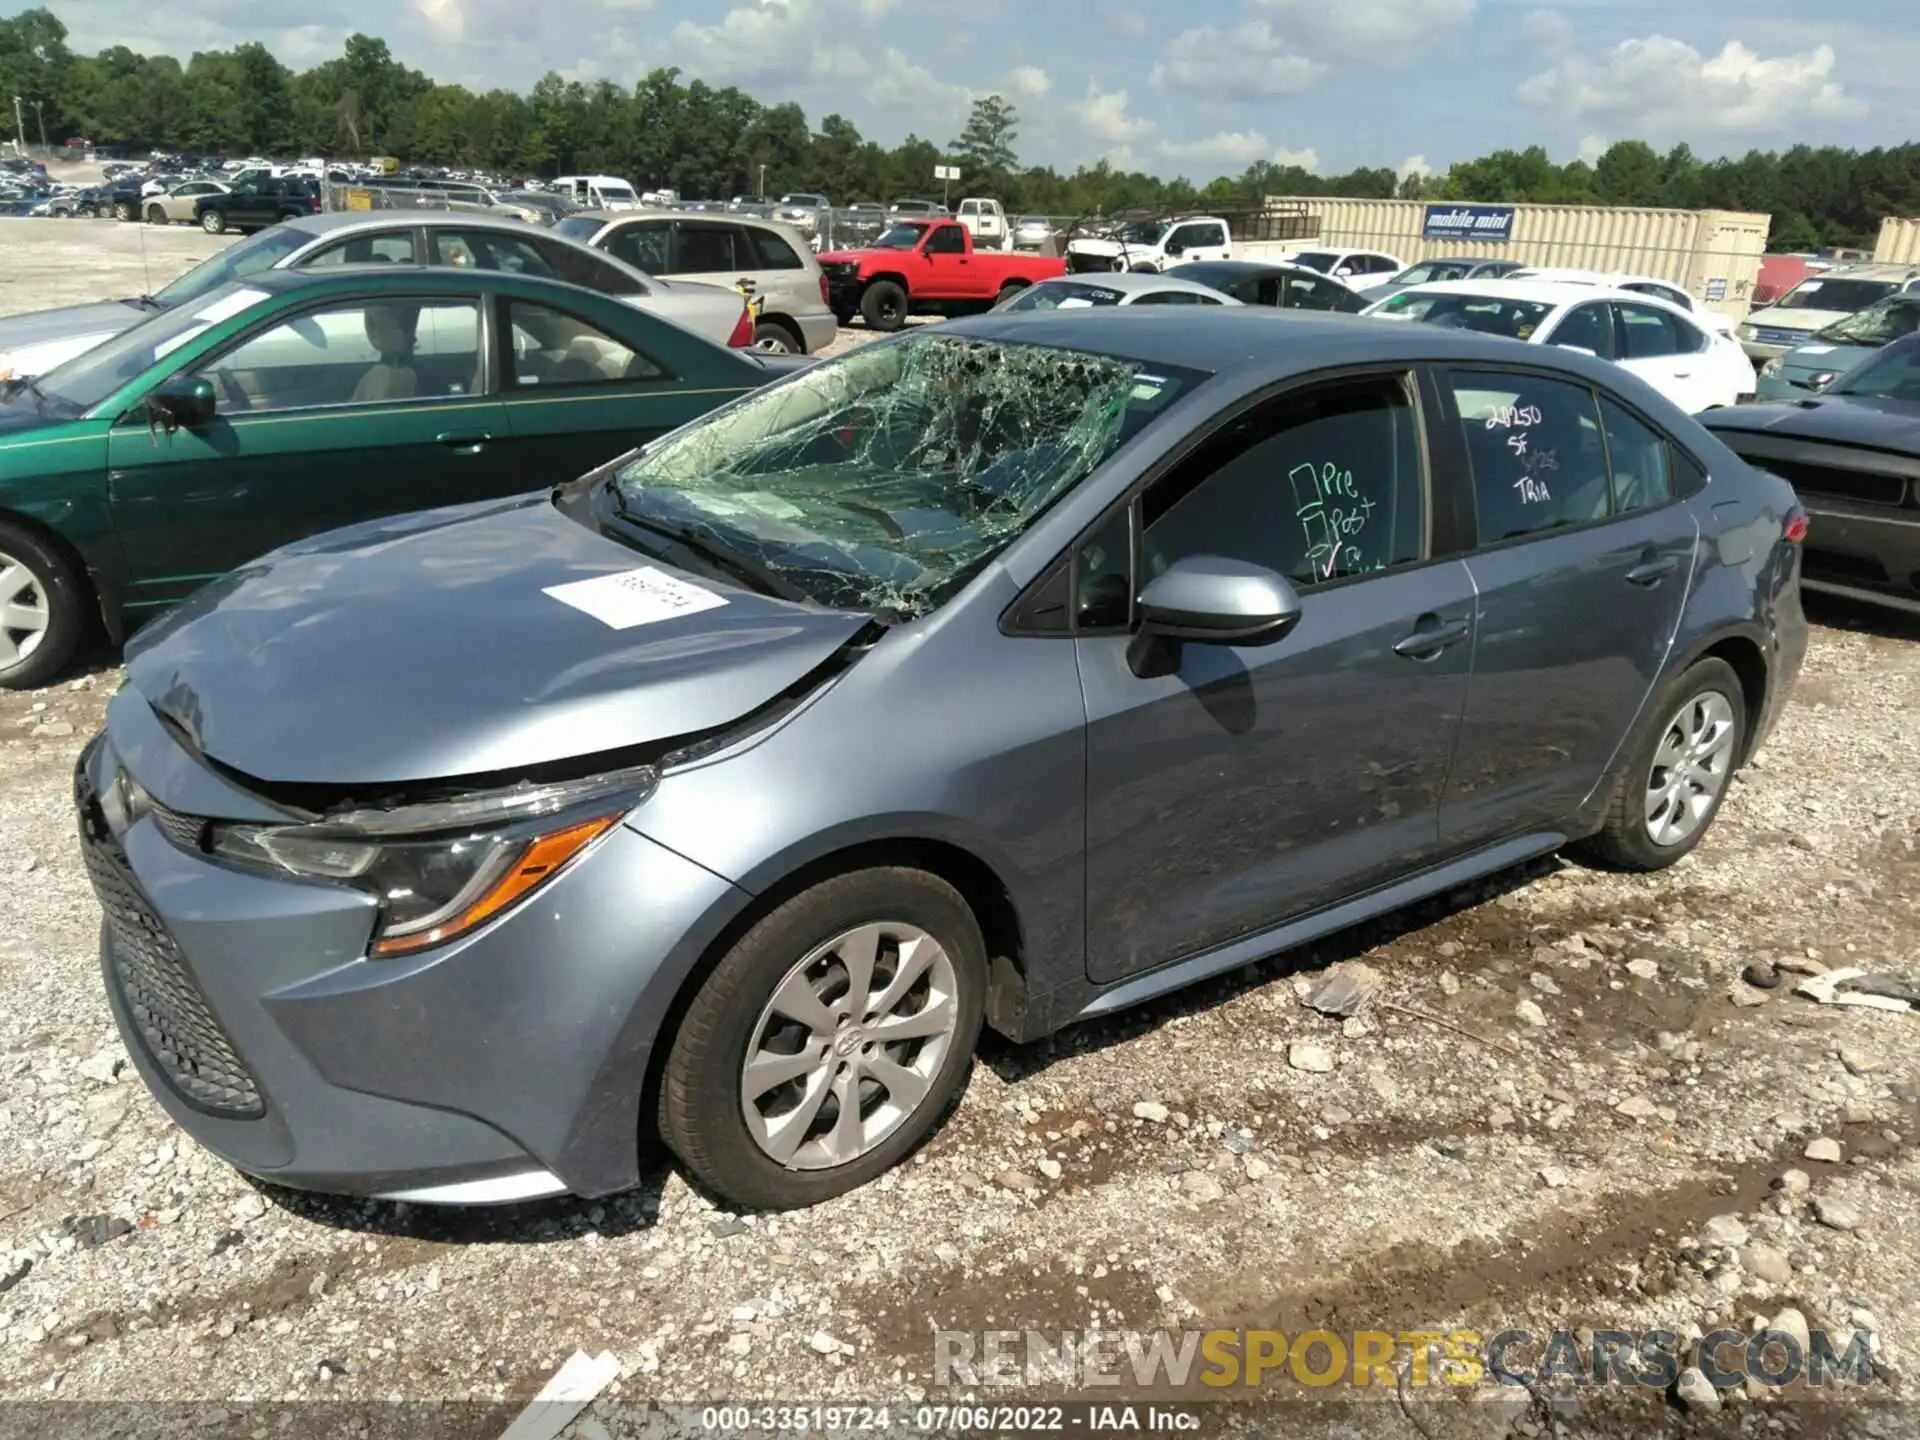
pixel 86 380
pixel 258 252
pixel 884 479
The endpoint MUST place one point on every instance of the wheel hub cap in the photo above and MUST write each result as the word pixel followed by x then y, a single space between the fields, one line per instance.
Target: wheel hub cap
pixel 849 1045
pixel 1691 766
pixel 23 611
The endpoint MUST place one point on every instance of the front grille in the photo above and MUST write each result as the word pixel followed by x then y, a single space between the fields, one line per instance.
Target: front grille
pixel 186 831
pixel 1766 335
pixel 1811 479
pixel 168 1011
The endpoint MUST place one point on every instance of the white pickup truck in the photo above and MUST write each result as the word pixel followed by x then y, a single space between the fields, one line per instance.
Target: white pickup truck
pixel 1153 245
pixel 986 221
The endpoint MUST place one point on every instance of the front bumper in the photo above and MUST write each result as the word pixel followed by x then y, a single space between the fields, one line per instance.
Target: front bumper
pixel 504 1066
pixel 1864 552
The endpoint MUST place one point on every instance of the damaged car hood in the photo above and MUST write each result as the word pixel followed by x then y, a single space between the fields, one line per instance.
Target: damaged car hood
pixel 1837 419
pixel 428 647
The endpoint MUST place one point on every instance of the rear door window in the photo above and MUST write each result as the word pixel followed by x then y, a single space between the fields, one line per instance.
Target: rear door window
pixel 771 251
pixel 703 248
pixel 1587 327
pixel 1539 460
pixel 643 246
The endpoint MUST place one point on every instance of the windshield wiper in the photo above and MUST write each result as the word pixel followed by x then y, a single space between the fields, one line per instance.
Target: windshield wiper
pixel 15 384
pixel 141 302
pixel 750 572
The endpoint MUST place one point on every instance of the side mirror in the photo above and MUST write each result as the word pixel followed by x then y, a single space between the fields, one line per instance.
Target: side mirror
pixel 185 400
pixel 1213 600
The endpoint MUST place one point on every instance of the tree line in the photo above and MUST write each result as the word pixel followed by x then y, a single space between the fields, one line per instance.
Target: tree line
pixel 715 142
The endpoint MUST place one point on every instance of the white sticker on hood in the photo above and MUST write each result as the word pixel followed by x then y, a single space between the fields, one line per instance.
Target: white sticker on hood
pixel 635 597
pixel 1816 349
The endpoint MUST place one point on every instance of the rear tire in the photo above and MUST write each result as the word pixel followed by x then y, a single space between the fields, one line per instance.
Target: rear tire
pixel 156 216
pixel 776 338
pixel 884 306
pixel 123 211
pixel 1674 772
pixel 213 222
pixel 43 609
pixel 918 926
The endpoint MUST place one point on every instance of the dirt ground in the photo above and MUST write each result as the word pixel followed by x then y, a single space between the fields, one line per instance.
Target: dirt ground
pixel 1574 1115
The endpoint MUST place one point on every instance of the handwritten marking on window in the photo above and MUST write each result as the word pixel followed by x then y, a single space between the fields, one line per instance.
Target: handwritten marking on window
pixel 1517 443
pixel 1508 417
pixel 1331 511
pixel 1532 491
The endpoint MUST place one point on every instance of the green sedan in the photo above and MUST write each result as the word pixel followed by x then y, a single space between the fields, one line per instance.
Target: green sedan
pixel 297 401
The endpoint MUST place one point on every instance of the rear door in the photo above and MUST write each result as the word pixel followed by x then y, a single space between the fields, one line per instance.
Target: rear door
pixel 1582 559
pixel 1667 352
pixel 338 413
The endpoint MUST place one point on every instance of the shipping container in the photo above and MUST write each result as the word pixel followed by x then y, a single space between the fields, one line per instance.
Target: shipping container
pixel 1899 242
pixel 1713 254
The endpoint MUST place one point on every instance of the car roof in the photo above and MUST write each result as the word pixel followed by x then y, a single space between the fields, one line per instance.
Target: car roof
pixel 1267 343
pixel 1539 292
pixel 393 275
pixel 1132 282
pixel 622 217
pixel 1869 270
pixel 333 222
pixel 1231 269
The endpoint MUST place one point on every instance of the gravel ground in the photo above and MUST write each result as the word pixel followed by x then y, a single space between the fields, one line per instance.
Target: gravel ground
pixel 1592 1121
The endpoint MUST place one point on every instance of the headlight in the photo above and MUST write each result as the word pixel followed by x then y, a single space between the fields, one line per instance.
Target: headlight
pixel 6 366
pixel 1773 367
pixel 1822 380
pixel 443 868
pixel 1746 332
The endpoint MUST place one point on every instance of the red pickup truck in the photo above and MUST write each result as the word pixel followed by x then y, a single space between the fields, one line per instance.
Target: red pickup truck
pixel 925 267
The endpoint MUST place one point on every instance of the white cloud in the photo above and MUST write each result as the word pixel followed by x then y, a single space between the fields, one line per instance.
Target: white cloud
pixel 1307 159
pixel 899 84
pixel 1592 147
pixel 1412 165
pixel 1548 31
pixel 1249 62
pixel 1130 23
pixel 1223 147
pixel 1029 82
pixel 1372 32
pixel 774 42
pixel 1660 84
pixel 1103 115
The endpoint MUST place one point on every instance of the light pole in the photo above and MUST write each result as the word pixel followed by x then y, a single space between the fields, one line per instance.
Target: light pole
pixel 40 114
pixel 763 182
pixel 19 125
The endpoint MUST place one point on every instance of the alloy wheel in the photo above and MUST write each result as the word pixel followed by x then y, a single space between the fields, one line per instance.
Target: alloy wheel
pixel 774 344
pixel 849 1045
pixel 1691 765
pixel 23 611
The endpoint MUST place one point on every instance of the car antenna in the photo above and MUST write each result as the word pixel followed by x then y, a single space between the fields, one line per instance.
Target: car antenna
pixel 146 270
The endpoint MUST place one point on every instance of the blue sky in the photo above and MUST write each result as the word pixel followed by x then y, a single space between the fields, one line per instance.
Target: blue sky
pixel 1197 88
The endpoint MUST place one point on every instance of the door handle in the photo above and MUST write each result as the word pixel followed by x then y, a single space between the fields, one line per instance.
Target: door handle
pixel 464 442
pixel 1431 635
pixel 1651 570
pixel 745 283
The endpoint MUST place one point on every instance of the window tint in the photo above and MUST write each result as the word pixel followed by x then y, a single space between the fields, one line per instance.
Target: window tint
pixel 771 251
pixel 395 246
pixel 1317 487
pixel 489 250
pixel 699 249
pixel 1175 297
pixel 1538 462
pixel 1640 459
pixel 363 352
pixel 1650 333
pixel 947 240
pixel 1304 292
pixel 1103 576
pixel 1588 327
pixel 552 349
pixel 642 246
pixel 580 266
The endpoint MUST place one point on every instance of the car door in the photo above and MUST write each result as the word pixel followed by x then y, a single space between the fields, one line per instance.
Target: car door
pixel 575 396
pixel 1667 352
pixel 1588 327
pixel 950 269
pixel 1316 292
pixel 1255 783
pixel 340 412
pixel 1581 568
pixel 782 280
pixel 711 252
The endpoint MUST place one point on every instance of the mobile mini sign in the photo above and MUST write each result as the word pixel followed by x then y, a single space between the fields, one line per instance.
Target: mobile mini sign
pixel 1468 222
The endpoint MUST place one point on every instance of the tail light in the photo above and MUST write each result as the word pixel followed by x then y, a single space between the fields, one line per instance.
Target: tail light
pixel 742 337
pixel 1796 526
pixel 825 298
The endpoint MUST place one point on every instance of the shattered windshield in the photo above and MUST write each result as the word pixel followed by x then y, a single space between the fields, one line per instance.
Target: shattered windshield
pixel 1889 374
pixel 1881 322
pixel 900 237
pixel 884 479
pixel 1145 232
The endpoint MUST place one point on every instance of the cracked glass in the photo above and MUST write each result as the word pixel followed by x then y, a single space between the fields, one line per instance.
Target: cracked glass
pixel 884 479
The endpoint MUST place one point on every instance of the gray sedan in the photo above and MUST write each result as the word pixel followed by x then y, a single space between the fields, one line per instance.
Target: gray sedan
pixel 1011 672
pixel 1426 272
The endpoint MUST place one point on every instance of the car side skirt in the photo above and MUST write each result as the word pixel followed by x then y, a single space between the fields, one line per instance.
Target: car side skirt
pixel 1293 933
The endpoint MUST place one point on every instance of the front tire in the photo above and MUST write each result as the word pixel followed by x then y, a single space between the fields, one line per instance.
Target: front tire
pixel 42 609
pixel 1007 292
pixel 123 211
pixel 884 306
pixel 829 1042
pixel 214 223
pixel 1674 772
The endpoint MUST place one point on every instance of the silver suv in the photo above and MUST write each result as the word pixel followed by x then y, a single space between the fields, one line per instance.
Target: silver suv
pixel 765 259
